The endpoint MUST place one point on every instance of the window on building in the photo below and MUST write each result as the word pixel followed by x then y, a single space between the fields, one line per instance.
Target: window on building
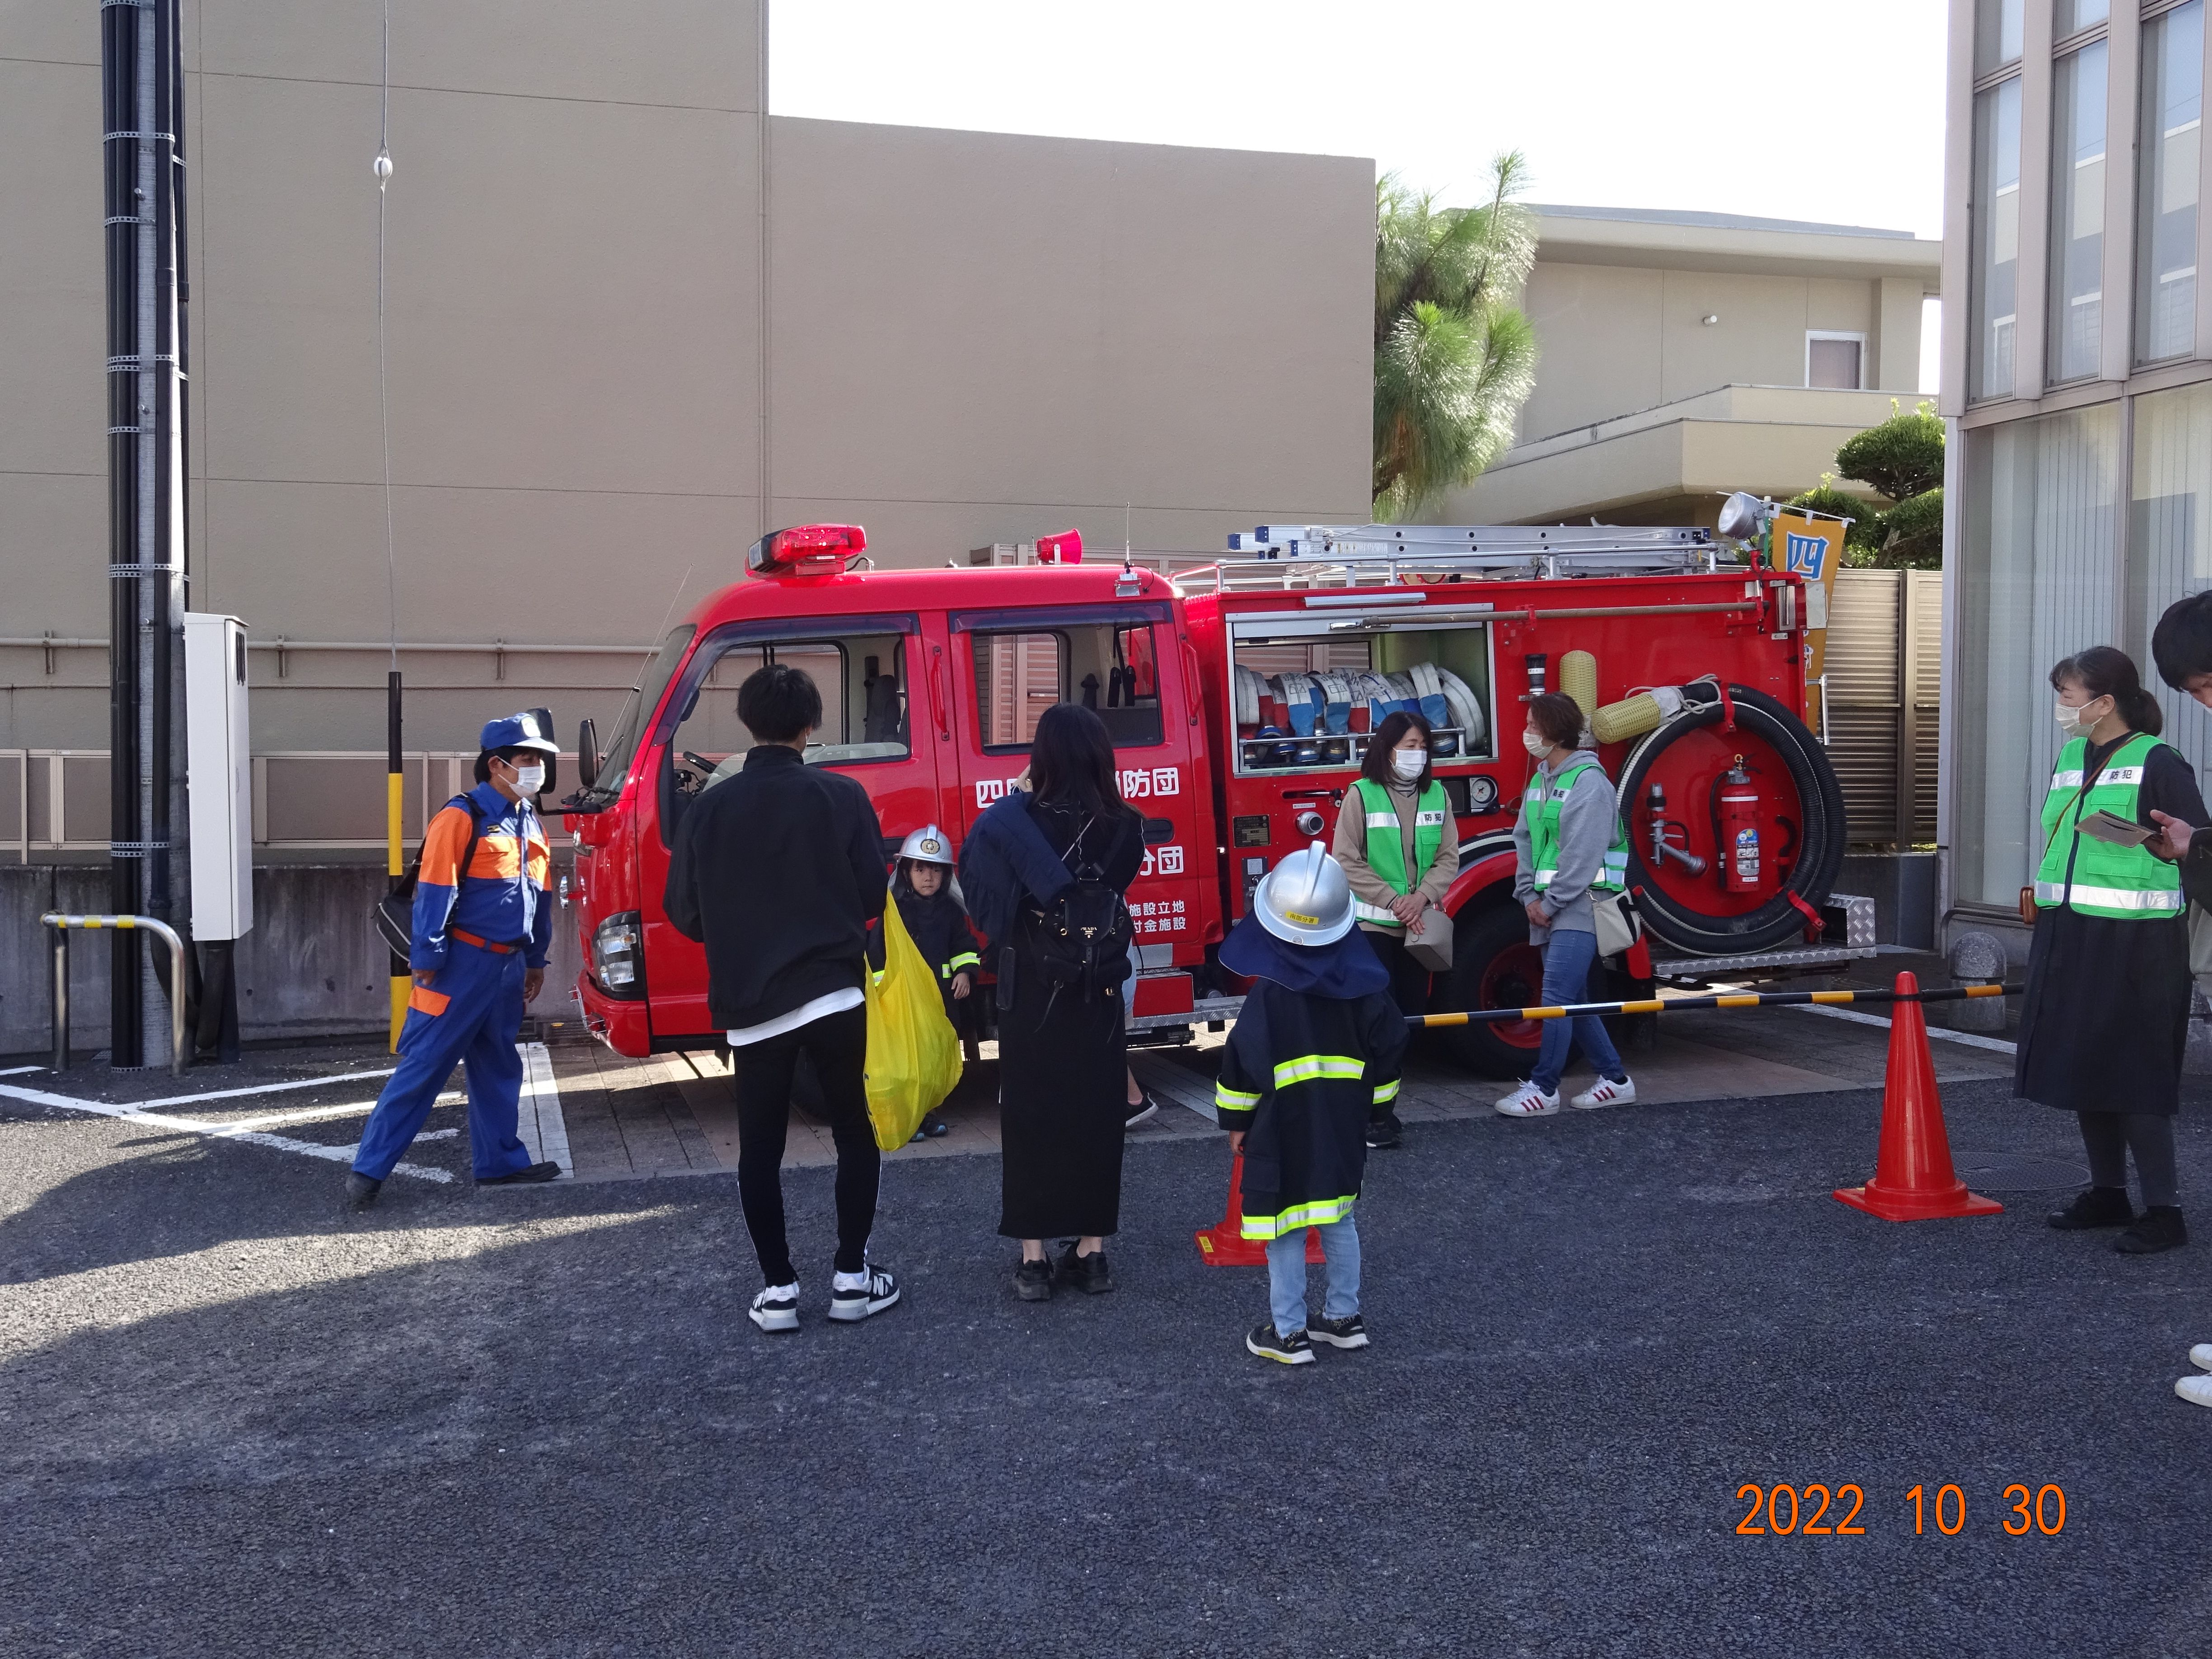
pixel 2077 213
pixel 1834 359
pixel 1998 34
pixel 2172 98
pixel 2037 581
pixel 1108 667
pixel 1996 240
pixel 2070 17
pixel 2170 536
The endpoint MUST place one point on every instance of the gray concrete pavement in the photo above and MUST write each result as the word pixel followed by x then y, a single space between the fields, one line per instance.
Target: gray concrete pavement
pixel 536 1422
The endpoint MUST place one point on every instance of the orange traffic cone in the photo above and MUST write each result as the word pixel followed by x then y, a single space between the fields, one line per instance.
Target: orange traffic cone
pixel 1913 1180
pixel 1223 1243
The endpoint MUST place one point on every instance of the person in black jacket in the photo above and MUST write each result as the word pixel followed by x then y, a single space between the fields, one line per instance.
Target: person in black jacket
pixel 1316 1048
pixel 778 870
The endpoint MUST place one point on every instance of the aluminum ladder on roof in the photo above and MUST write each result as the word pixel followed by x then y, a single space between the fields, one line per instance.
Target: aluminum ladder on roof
pixel 1330 556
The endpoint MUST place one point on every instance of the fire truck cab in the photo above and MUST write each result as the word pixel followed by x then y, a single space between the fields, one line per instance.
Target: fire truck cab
pixel 1240 695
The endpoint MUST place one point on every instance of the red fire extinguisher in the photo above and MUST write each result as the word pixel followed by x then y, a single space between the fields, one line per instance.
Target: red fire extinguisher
pixel 1739 831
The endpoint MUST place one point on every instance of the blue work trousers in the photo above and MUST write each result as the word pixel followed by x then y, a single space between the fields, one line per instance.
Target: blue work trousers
pixel 1568 958
pixel 1286 1275
pixel 475 1022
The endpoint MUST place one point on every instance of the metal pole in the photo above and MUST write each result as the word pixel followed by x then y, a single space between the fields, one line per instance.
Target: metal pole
pixel 1729 1000
pixel 61 1000
pixel 179 1055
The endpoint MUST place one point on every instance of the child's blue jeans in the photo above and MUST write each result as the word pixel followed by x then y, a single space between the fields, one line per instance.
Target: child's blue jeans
pixel 1286 1274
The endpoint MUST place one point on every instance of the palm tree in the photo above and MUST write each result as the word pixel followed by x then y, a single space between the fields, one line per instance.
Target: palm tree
pixel 1454 356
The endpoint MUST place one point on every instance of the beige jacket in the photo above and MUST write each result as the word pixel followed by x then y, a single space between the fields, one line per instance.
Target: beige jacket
pixel 1351 850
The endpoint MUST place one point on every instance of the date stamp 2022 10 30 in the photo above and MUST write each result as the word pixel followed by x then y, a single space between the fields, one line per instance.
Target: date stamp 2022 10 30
pixel 1818 1511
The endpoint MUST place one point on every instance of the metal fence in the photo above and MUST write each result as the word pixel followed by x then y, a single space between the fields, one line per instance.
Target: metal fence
pixel 1885 684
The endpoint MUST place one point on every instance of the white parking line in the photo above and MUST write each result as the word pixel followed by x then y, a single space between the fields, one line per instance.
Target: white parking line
pixel 263 1088
pixel 543 1128
pixel 1941 1034
pixel 213 1131
pixel 17 1071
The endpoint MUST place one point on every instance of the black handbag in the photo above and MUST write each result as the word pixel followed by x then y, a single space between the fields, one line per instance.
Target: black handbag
pixel 394 913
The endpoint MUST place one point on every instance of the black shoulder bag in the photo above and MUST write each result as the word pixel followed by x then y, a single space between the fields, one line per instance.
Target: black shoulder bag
pixel 394 913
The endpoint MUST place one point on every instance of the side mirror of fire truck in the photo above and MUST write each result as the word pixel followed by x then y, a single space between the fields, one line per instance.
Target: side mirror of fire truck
pixel 587 754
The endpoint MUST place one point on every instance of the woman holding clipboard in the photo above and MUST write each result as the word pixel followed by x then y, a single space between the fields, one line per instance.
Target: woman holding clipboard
pixel 2105 1017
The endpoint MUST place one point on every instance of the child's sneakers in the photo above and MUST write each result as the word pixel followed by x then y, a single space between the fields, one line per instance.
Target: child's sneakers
pixel 1267 1343
pixel 1528 1101
pixel 1338 1333
pixel 1607 1092
pixel 775 1309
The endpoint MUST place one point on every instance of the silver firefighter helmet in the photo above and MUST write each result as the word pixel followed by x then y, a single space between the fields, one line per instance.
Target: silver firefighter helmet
pixel 928 845
pixel 1305 899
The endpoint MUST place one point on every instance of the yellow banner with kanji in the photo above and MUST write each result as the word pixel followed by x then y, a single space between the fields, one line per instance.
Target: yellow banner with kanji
pixel 1811 548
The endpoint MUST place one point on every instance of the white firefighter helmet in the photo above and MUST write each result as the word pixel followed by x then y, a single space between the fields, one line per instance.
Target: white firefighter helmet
pixel 1305 899
pixel 928 845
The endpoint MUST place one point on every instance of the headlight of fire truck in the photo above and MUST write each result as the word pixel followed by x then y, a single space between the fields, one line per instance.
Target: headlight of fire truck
pixel 618 948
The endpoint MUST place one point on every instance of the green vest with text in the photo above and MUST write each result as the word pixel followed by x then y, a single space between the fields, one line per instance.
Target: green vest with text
pixel 1386 852
pixel 2095 877
pixel 1540 807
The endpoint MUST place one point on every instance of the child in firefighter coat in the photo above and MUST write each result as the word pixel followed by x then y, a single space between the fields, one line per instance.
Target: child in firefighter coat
pixel 1317 1046
pixel 921 886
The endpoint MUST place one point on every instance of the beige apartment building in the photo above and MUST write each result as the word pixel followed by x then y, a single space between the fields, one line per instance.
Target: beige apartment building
pixel 1684 355
pixel 2079 383
pixel 632 322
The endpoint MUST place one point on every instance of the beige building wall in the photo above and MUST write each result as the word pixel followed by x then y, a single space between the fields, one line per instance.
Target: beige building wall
pixel 968 338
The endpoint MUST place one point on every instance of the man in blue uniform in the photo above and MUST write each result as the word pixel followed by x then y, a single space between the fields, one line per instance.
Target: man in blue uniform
pixel 478 956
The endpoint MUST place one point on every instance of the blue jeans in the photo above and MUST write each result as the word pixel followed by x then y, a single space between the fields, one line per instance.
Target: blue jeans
pixel 1286 1274
pixel 1568 960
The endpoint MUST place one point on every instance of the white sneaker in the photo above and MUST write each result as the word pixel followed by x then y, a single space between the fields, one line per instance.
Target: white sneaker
pixel 2201 1355
pixel 2197 1390
pixel 1528 1101
pixel 1606 1092
pixel 775 1309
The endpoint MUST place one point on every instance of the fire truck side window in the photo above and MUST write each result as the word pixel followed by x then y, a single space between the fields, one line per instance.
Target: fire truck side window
pixel 1109 666
pixel 862 680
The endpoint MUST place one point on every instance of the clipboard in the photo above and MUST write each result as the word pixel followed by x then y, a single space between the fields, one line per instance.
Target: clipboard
pixel 2117 831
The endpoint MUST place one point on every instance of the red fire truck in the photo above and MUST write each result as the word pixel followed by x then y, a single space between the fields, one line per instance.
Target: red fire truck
pixel 1238 695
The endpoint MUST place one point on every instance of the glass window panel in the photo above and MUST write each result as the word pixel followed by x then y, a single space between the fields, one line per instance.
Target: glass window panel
pixel 1109 666
pixel 2072 16
pixel 2036 583
pixel 1996 234
pixel 2170 541
pixel 861 678
pixel 1832 363
pixel 2165 201
pixel 1997 33
pixel 2077 213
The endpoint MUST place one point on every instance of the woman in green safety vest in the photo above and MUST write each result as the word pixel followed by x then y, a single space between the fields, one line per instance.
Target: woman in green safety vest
pixel 1569 844
pixel 2105 1016
pixel 1400 850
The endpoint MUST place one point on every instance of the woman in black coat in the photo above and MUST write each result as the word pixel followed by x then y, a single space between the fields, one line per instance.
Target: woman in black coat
pixel 1062 1064
pixel 2105 1016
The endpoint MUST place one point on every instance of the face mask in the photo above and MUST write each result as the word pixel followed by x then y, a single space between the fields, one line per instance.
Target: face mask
pixel 2070 723
pixel 529 779
pixel 1407 764
pixel 1535 742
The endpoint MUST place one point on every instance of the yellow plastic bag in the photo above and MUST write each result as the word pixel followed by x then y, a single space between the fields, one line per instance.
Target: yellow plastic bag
pixel 914 1053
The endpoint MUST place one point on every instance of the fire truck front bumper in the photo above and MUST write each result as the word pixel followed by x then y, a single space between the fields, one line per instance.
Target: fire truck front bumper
pixel 619 1023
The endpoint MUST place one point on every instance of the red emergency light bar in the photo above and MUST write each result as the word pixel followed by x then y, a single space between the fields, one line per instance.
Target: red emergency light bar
pixel 811 550
pixel 1066 548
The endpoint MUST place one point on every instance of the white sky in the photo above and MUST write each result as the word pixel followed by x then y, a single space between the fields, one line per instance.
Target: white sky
pixel 1786 108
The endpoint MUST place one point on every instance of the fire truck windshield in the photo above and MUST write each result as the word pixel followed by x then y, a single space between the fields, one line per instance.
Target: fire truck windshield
pixel 621 742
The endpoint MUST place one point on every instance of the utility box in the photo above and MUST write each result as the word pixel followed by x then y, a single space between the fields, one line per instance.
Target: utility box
pixel 219 776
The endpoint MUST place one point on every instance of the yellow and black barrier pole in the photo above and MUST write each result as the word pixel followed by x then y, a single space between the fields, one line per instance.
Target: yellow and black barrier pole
pixel 394 851
pixel 1725 1000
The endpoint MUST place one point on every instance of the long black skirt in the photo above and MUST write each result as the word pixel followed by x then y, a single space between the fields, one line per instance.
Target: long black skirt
pixel 1063 1107
pixel 2105 1016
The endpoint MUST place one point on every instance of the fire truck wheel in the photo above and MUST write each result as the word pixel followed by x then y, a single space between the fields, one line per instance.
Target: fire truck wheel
pixel 1493 966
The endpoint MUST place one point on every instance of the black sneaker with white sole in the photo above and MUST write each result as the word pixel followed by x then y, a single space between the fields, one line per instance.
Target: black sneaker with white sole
pixel 1267 1343
pixel 880 1292
pixel 1143 1112
pixel 1384 1131
pixel 1338 1333
pixel 775 1309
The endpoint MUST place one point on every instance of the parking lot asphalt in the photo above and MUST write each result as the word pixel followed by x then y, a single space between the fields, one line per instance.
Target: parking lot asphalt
pixel 535 1421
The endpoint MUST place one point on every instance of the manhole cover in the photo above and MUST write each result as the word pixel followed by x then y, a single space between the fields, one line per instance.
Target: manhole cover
pixel 2005 1172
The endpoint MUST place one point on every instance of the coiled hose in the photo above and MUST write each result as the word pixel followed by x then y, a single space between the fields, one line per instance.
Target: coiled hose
pixel 1817 826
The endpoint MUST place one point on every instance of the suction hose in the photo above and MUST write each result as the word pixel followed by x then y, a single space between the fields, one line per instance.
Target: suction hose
pixel 1820 830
